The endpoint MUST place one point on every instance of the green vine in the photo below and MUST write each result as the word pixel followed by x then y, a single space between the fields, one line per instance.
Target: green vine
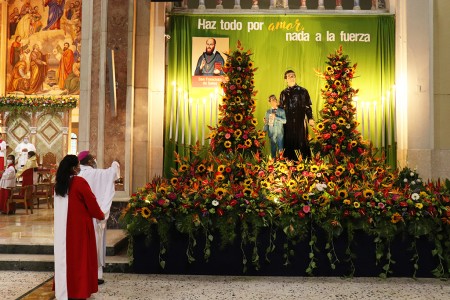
pixel 17 104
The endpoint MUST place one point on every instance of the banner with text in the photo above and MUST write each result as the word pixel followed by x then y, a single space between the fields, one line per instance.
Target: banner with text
pixel 278 43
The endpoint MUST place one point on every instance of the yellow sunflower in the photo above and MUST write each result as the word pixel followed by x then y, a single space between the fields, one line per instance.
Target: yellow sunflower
pixel 265 184
pixel 356 204
pixel 248 181
pixel 247 192
pixel 221 168
pixel 354 143
pixel 340 168
pixel 220 192
pixel 340 102
pixel 174 181
pixel 184 168
pixel 330 70
pixel 368 193
pixel 300 167
pixel 220 177
pixel 146 212
pixel 238 81
pixel 347 202
pixel 419 205
pixel 239 58
pixel 238 133
pixel 292 183
pixel 305 197
pixel 337 83
pixel 238 99
pixel 201 168
pixel 250 64
pixel 254 121
pixel 261 134
pixel 320 126
pixel 162 190
pixel 248 143
pixel 314 168
pixel 227 144
pixel 341 121
pixel 238 117
pixel 343 193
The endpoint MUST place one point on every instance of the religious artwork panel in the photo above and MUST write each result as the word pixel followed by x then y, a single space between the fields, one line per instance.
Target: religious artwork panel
pixel 44 47
pixel 208 59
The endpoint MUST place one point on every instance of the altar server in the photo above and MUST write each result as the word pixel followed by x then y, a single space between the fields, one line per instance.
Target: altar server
pixel 74 237
pixel 102 184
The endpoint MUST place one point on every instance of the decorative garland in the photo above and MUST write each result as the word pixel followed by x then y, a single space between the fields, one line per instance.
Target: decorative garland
pixel 18 104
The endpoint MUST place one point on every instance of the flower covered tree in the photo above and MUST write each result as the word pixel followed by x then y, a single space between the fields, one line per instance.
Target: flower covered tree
pixel 336 132
pixel 236 128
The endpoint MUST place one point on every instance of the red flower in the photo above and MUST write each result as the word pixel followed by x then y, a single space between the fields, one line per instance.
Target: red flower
pixel 301 214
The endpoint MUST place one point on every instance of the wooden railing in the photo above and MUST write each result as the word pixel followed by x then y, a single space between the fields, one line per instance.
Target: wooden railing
pixel 300 6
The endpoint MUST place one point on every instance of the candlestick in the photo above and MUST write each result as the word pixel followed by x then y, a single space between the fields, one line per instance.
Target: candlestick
pixel 362 119
pixel 172 109
pixel 183 117
pixel 204 121
pixel 196 123
pixel 178 114
pixel 383 125
pixel 394 112
pixel 189 121
pixel 368 122
pixel 376 124
pixel 388 103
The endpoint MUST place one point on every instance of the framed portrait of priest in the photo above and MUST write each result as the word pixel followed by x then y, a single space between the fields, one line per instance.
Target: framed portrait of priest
pixel 208 59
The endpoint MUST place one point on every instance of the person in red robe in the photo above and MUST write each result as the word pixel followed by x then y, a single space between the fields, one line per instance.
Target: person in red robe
pixel 74 238
pixel 65 65
pixel 8 181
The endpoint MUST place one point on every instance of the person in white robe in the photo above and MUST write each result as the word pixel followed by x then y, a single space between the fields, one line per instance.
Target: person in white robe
pixel 102 183
pixel 22 150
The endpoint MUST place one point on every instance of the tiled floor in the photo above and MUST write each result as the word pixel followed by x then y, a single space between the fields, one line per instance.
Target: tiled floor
pixel 134 286
pixel 37 229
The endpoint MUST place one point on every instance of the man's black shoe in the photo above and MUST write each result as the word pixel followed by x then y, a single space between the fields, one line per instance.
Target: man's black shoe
pixel 101 281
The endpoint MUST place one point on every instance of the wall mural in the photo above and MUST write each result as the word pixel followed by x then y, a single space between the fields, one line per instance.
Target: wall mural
pixel 44 47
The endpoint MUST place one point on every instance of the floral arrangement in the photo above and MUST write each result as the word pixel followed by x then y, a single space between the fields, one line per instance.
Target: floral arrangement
pixel 236 128
pixel 16 103
pixel 222 196
pixel 336 132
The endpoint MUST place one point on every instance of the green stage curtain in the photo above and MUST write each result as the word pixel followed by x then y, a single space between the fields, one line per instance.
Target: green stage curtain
pixel 279 43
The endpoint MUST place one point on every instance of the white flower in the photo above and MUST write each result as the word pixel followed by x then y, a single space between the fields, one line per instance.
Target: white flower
pixel 418 180
pixel 319 174
pixel 415 196
pixel 215 202
pixel 347 126
pixel 405 180
pixel 411 174
pixel 413 182
pixel 321 187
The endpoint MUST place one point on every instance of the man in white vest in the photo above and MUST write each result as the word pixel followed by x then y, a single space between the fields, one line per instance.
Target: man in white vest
pixel 101 182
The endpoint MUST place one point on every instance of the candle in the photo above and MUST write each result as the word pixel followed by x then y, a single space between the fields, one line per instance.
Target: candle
pixel 376 124
pixel 178 114
pixel 196 124
pixel 362 119
pixel 383 125
pixel 368 122
pixel 211 109
pixel 189 121
pixel 394 113
pixel 388 103
pixel 204 121
pixel 183 117
pixel 172 109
